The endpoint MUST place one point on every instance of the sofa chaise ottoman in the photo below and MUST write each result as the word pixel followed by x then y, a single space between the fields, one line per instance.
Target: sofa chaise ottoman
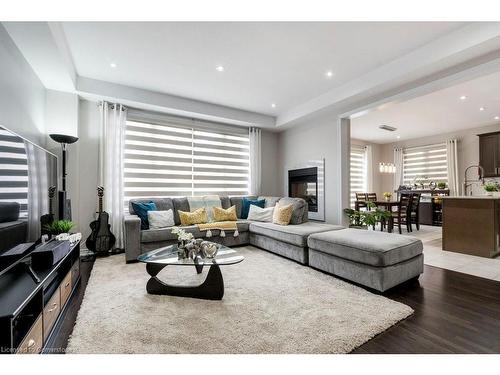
pixel 289 241
pixel 377 260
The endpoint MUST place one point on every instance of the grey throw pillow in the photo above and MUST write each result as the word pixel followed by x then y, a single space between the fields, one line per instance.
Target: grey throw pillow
pixel 161 219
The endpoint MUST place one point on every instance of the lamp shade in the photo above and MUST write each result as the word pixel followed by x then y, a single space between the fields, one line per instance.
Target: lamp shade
pixel 62 138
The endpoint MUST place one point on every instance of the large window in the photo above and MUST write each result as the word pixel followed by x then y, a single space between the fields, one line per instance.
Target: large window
pixel 425 164
pixel 163 160
pixel 358 172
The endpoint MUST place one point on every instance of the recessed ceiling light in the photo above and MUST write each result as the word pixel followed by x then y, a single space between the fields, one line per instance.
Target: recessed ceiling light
pixel 398 136
pixel 273 105
pixel 329 74
pixel 463 97
pixel 220 68
pixel 113 65
pixel 497 118
pixel 481 108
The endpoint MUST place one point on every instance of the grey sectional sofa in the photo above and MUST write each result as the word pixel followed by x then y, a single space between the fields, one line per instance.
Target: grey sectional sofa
pixel 376 260
pixel 289 241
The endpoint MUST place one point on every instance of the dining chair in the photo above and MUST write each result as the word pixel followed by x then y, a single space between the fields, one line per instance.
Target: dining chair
pixel 414 216
pixel 360 201
pixel 403 215
pixel 371 197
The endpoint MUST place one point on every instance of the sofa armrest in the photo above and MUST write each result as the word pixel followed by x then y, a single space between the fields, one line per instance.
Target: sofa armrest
pixel 132 234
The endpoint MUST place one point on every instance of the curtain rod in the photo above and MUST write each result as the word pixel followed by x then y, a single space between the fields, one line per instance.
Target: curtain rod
pixel 424 146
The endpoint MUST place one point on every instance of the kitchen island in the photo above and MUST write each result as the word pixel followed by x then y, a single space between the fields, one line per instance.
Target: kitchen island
pixel 471 225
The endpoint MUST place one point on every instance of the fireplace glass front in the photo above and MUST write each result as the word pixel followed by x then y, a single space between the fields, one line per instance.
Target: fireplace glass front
pixel 303 183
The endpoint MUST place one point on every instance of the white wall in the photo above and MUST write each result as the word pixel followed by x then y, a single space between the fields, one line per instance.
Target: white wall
pixel 313 141
pixel 22 95
pixel 467 150
pixel 270 164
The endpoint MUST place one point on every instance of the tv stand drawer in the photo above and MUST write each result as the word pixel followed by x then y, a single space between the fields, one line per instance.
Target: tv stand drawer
pixel 65 289
pixel 33 342
pixel 51 312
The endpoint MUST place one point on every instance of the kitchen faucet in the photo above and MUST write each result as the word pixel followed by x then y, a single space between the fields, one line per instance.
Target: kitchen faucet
pixel 468 183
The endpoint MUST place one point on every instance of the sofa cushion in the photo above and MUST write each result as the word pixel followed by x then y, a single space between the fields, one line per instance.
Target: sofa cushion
pixel 299 207
pixel 180 204
pixel 141 209
pixel 162 204
pixel 261 214
pixel 282 214
pixel 9 211
pixel 161 219
pixel 225 202
pixel 238 202
pixel 270 201
pixel 247 202
pixel 165 234
pixel 366 246
pixel 221 214
pixel 292 234
pixel 198 216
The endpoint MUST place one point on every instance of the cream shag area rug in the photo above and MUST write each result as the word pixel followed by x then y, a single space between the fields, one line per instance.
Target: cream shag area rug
pixel 270 305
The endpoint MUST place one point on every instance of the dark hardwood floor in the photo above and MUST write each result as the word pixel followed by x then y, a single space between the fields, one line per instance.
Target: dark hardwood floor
pixel 454 313
pixel 65 328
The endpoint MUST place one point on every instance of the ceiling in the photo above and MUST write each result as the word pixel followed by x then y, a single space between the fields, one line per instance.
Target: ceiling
pixel 435 113
pixel 264 63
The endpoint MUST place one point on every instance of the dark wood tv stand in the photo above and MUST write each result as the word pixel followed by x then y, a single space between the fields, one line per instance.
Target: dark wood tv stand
pixel 31 311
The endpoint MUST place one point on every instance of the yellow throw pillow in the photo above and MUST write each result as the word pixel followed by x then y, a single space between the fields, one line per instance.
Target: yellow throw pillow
pixel 282 214
pixel 221 214
pixel 198 216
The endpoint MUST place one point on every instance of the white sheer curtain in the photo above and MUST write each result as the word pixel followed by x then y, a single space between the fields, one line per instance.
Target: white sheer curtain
pixel 369 168
pixel 398 163
pixel 452 166
pixel 255 160
pixel 113 123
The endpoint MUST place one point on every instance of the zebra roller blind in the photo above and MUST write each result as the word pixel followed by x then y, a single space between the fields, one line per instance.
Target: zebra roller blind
pixel 425 164
pixel 357 171
pixel 13 171
pixel 168 160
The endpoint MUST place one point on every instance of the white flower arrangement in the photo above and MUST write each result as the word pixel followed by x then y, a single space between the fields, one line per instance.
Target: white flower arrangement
pixel 182 235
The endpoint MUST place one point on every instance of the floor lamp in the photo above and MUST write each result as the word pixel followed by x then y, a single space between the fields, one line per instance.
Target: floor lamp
pixel 64 203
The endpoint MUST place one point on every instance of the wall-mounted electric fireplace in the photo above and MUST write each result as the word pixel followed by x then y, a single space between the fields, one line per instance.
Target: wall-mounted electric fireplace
pixel 303 183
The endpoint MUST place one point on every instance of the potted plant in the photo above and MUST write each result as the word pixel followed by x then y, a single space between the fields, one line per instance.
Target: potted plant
pixel 387 195
pixel 366 219
pixel 59 226
pixel 491 188
pixel 441 185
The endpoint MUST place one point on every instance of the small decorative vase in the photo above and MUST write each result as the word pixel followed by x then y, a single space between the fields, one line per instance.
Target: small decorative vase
pixel 387 199
pixel 209 249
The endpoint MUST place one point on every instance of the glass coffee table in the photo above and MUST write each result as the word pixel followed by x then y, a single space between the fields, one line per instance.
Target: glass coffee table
pixel 213 286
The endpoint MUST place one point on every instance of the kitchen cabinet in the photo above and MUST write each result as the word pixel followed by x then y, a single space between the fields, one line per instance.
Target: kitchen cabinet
pixel 489 153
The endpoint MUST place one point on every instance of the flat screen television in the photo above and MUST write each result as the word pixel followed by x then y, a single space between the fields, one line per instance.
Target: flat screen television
pixel 27 171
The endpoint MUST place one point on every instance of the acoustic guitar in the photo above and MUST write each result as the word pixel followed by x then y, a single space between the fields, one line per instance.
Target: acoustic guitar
pixel 101 240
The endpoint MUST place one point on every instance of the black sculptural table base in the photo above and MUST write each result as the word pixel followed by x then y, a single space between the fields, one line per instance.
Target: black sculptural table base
pixel 212 288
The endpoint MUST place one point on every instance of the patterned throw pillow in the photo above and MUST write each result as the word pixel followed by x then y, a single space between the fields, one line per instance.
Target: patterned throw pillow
pixel 198 216
pixel 282 214
pixel 220 214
